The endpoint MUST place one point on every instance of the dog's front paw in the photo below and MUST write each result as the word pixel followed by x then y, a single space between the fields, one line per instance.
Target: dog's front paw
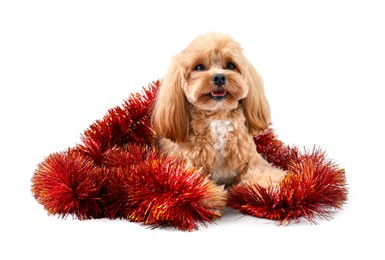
pixel 216 198
pixel 270 177
pixel 275 176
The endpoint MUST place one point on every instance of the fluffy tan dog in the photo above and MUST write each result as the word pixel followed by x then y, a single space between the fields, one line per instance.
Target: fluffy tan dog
pixel 209 106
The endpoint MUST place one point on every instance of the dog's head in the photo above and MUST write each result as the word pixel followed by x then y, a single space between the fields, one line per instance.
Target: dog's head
pixel 210 74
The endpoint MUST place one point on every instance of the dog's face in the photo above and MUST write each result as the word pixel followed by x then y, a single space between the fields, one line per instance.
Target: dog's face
pixel 210 74
pixel 213 72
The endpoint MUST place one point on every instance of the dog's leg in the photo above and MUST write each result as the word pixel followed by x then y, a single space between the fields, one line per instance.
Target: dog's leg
pixel 217 196
pixel 262 173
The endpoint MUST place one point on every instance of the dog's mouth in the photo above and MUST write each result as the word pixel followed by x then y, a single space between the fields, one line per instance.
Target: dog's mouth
pixel 218 94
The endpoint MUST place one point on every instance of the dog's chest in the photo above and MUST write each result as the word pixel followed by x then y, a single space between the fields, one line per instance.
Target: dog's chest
pixel 219 130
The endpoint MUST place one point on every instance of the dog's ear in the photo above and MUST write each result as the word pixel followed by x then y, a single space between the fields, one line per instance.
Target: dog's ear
pixel 255 105
pixel 170 118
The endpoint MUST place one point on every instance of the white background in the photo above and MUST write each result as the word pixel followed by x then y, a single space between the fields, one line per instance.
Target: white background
pixel 63 64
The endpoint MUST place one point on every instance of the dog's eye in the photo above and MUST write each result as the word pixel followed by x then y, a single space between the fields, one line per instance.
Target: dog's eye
pixel 230 66
pixel 200 67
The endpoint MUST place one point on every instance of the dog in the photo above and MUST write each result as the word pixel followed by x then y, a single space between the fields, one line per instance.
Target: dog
pixel 209 106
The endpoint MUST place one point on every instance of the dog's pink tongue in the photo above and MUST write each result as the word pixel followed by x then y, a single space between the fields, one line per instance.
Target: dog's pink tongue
pixel 220 93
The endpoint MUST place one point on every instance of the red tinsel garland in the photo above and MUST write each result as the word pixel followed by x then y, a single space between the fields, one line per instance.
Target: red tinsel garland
pixel 116 172
pixel 126 124
pixel 314 186
pixel 68 183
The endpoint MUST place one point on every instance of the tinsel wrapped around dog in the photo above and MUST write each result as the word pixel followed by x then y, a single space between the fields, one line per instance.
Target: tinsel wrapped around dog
pixel 118 172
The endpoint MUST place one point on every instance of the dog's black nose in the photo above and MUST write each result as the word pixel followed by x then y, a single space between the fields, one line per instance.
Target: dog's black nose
pixel 219 79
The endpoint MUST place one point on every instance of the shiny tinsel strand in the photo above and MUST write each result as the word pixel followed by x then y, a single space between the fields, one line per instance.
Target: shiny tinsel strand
pixel 160 191
pixel 274 150
pixel 67 183
pixel 129 123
